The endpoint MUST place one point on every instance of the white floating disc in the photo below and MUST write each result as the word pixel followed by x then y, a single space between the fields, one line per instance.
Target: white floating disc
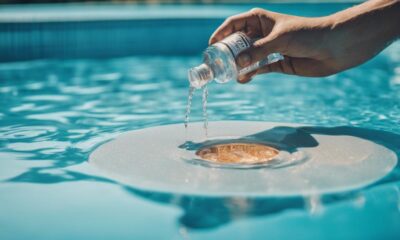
pixel 153 159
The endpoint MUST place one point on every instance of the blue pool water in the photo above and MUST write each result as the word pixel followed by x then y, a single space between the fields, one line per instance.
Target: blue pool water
pixel 54 113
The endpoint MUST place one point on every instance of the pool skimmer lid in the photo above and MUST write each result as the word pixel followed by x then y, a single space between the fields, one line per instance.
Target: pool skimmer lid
pixel 241 158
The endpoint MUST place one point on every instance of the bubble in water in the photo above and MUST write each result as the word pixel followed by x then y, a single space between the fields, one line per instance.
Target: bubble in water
pixel 359 201
pixel 313 204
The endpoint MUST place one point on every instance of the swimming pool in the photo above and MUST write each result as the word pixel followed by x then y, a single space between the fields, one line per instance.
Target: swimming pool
pixel 57 109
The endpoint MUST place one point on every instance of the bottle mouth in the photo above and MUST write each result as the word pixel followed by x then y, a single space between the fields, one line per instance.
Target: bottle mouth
pixel 200 75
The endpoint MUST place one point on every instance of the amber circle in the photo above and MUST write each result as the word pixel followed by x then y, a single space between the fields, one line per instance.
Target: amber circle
pixel 238 153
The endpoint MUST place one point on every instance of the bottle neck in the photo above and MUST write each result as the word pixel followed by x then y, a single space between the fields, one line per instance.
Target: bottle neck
pixel 200 75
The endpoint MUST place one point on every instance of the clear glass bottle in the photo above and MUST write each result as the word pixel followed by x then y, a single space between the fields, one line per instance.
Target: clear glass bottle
pixel 219 61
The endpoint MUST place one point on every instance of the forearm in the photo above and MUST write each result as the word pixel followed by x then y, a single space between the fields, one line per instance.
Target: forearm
pixel 364 30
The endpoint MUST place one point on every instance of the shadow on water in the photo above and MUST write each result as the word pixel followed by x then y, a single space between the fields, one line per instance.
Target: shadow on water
pixel 201 212
pixel 285 138
pixel 210 212
pixel 383 138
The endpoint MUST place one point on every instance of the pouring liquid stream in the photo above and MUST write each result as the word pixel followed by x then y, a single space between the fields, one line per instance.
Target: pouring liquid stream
pixel 204 103
pixel 188 106
pixel 205 115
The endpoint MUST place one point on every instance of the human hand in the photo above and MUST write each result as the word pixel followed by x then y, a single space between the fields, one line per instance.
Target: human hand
pixel 313 47
pixel 300 40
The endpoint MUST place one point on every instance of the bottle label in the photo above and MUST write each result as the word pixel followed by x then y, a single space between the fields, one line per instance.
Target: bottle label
pixel 237 43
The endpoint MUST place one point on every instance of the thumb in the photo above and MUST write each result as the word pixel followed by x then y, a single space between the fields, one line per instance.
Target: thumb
pixel 257 52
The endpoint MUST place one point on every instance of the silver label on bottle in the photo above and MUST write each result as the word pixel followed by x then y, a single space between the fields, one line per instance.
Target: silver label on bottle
pixel 237 43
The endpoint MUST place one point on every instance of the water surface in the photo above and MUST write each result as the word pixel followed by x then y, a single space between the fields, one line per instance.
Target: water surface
pixel 53 113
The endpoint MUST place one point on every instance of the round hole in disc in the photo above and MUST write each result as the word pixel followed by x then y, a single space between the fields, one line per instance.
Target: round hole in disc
pixel 238 153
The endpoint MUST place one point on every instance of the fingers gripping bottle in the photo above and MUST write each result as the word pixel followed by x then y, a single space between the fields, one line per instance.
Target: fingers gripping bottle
pixel 219 61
